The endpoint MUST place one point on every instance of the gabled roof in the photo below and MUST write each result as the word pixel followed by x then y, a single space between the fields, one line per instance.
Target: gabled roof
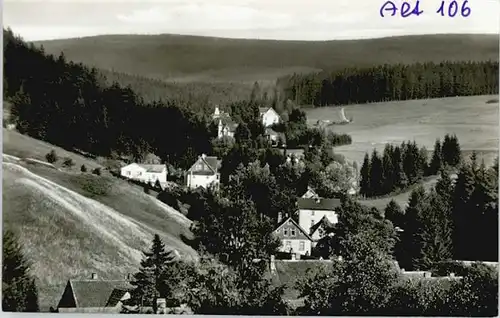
pixel 318 204
pixel 296 225
pixel 153 168
pixel 263 110
pixel 325 223
pixel 97 293
pixel 310 193
pixel 228 122
pixel 210 161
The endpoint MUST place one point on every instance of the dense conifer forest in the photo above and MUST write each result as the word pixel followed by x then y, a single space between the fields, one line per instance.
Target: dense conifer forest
pixel 392 82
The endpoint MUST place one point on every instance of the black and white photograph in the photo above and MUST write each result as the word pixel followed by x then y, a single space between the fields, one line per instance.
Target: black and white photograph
pixel 251 157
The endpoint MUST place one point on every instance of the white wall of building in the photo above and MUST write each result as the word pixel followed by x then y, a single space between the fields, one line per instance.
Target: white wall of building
pixel 270 118
pixel 136 172
pixel 295 244
pixel 307 218
pixel 194 181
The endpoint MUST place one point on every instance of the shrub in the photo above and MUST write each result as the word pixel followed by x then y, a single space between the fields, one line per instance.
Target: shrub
pixel 68 162
pixel 51 156
pixel 97 171
pixel 83 169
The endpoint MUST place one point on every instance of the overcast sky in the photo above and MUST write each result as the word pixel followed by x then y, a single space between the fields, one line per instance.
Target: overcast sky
pixel 264 19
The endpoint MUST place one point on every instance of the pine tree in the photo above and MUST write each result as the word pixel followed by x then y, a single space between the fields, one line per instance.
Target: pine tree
pixel 19 291
pixel 394 213
pixel 462 210
pixel 435 235
pixel 410 240
pixel 151 282
pixel 365 182
pixel 436 160
pixel 388 169
pixel 376 174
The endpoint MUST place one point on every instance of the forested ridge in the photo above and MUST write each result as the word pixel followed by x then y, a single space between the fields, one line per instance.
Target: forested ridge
pixel 392 82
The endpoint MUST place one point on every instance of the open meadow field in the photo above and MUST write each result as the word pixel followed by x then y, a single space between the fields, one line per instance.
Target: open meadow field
pixel 183 58
pixel 472 119
pixel 74 223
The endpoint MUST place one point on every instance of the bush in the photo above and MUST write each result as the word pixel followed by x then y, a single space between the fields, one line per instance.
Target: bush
pixel 83 169
pixel 68 162
pixel 97 171
pixel 51 156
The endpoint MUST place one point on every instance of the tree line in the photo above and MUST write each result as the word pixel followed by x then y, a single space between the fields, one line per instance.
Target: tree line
pixel 391 83
pixel 457 219
pixel 405 165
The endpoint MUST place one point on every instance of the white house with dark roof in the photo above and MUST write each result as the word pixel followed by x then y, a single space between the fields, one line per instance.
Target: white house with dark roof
pixel 294 239
pixel 203 173
pixel 226 128
pixel 94 296
pixel 312 210
pixel 145 173
pixel 269 116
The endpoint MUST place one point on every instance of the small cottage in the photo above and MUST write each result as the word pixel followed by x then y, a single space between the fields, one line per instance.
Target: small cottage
pixel 146 173
pixel 94 296
pixel 203 173
pixel 294 239
pixel 269 116
pixel 226 128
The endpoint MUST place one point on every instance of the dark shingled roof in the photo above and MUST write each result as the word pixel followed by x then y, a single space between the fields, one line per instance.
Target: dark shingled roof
pixel 318 204
pixel 232 125
pixel 97 293
pixel 211 161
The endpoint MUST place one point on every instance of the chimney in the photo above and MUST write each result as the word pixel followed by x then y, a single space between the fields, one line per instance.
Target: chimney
pixel 318 200
pixel 280 217
pixel 203 155
pixel 452 275
pixel 94 276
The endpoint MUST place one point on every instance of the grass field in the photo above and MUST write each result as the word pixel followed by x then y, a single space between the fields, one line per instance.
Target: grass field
pixel 73 224
pixel 193 58
pixel 473 119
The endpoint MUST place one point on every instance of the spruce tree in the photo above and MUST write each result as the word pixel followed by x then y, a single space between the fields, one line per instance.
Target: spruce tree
pixel 399 176
pixel 151 282
pixel 410 240
pixel 388 169
pixel 435 234
pixel 436 160
pixel 462 210
pixel 376 174
pixel 364 184
pixel 395 214
pixel 19 291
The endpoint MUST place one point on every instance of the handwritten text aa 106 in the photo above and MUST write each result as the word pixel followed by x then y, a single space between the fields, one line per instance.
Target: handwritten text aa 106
pixel 447 8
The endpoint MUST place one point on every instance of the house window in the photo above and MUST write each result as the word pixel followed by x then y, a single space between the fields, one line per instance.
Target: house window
pixel 312 222
pixel 312 213
pixel 128 173
pixel 302 246
pixel 292 232
pixel 288 244
pixel 285 232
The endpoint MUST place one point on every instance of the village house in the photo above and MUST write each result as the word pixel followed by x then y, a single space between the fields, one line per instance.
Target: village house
pixel 147 173
pixel 294 239
pixel 94 296
pixel 310 193
pixel 321 229
pixel 226 128
pixel 203 173
pixel 269 116
pixel 273 137
pixel 312 210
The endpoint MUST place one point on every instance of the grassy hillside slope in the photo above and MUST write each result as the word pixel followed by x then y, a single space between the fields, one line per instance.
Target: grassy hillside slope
pixel 193 58
pixel 73 224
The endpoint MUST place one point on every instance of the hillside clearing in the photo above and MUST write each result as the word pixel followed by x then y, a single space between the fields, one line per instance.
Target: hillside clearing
pixel 73 224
